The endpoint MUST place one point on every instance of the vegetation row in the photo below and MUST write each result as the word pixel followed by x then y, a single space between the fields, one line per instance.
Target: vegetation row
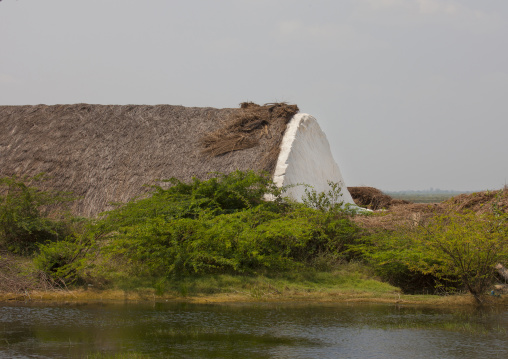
pixel 226 225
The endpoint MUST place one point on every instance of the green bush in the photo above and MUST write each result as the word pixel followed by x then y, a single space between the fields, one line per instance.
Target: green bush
pixel 24 214
pixel 236 243
pixel 223 225
pixel 466 246
pixel 58 260
pixel 455 250
pixel 67 261
pixel 391 255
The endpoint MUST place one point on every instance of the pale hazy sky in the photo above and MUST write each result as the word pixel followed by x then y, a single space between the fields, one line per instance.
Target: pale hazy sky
pixel 411 94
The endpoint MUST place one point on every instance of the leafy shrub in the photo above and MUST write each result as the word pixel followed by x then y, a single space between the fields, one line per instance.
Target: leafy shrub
pixel 391 255
pixel 465 245
pixel 236 243
pixel 219 195
pixel 328 201
pixel 223 225
pixel 455 250
pixel 67 260
pixel 58 260
pixel 24 214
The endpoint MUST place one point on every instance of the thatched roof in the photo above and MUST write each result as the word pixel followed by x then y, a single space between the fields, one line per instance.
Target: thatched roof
pixel 106 153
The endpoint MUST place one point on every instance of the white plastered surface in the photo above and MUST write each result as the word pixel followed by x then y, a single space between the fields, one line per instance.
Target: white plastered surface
pixel 305 157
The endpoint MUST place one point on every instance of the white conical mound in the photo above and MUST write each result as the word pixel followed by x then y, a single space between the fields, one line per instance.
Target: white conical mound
pixel 305 158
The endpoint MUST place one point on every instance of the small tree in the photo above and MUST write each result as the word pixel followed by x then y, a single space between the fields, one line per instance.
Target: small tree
pixel 330 200
pixel 466 246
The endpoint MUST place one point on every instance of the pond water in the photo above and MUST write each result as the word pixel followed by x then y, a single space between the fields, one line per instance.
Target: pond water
pixel 179 330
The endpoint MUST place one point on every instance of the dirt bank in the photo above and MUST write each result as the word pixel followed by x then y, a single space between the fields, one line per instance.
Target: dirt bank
pixel 391 214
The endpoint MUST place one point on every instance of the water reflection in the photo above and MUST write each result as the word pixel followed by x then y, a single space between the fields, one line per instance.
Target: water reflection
pixel 251 331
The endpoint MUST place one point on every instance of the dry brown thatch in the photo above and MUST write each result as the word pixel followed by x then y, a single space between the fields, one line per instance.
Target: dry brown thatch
pixel 418 213
pixel 372 198
pixel 251 125
pixel 411 214
pixel 479 202
pixel 107 153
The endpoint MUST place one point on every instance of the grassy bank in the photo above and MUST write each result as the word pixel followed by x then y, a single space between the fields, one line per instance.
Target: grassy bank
pixel 261 291
pixel 347 282
pixel 352 282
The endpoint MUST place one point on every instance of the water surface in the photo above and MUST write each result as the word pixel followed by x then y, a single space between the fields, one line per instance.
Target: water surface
pixel 176 330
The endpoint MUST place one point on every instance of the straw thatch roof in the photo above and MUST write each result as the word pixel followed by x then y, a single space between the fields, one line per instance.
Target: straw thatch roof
pixel 106 153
